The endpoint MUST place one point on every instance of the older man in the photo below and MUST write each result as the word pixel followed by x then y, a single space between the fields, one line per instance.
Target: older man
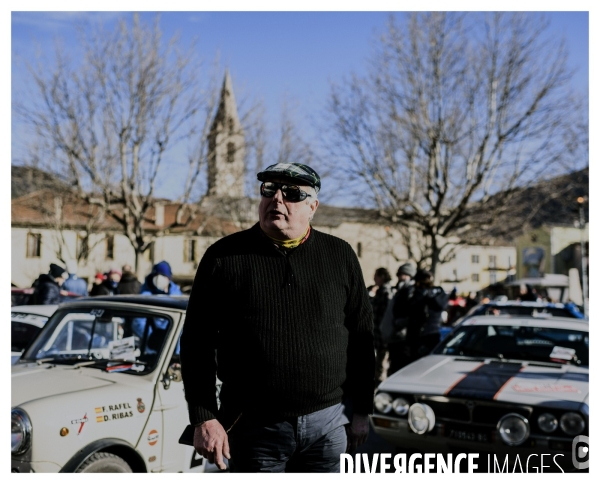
pixel 280 313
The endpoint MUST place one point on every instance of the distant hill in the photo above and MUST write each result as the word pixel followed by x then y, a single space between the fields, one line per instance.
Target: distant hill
pixel 28 179
pixel 549 202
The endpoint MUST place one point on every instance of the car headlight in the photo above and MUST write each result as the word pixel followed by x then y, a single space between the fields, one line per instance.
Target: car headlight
pixel 400 406
pixel 513 428
pixel 383 402
pixel 572 423
pixel 20 431
pixel 547 422
pixel 421 418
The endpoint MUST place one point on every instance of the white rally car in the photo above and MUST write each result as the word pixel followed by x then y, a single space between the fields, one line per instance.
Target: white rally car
pixel 25 323
pixel 99 390
pixel 495 385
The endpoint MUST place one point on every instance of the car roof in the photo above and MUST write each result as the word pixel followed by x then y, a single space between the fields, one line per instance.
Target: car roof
pixel 39 309
pixel 552 322
pixel 171 302
pixel 530 304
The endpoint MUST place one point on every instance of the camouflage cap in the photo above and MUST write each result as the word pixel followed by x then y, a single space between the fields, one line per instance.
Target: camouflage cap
pixel 295 172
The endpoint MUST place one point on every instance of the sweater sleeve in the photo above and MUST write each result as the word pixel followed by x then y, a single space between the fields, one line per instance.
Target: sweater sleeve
pixel 199 342
pixel 361 351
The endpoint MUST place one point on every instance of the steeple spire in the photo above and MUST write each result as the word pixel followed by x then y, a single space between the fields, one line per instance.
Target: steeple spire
pixel 226 145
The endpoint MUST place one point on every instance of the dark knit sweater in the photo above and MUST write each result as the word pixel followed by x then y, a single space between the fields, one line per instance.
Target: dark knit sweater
pixel 293 334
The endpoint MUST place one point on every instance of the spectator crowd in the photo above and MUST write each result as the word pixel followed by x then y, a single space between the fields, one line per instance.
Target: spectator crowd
pixel 51 287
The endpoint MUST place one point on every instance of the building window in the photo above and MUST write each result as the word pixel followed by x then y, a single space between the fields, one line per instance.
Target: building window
pixel 493 278
pixel 492 261
pixel 230 152
pixel 83 247
pixel 110 247
pixel 475 259
pixel 359 249
pixel 34 245
pixel 189 250
pixel 231 126
pixel 475 277
pixel 149 253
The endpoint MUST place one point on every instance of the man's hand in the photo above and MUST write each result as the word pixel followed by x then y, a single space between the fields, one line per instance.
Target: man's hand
pixel 210 440
pixel 357 432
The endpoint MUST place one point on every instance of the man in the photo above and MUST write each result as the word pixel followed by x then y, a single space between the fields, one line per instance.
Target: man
pixel 405 274
pixel 398 351
pixel 47 286
pixel 286 311
pixel 380 302
pixel 129 283
pixel 424 312
pixel 73 283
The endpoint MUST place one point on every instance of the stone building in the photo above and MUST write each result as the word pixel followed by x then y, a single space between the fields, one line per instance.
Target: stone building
pixel 550 249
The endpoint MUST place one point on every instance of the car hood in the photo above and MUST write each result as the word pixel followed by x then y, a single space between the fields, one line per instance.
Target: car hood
pixel 488 379
pixel 33 382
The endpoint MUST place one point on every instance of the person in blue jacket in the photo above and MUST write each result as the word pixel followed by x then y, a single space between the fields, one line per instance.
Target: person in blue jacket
pixel 159 281
pixel 73 283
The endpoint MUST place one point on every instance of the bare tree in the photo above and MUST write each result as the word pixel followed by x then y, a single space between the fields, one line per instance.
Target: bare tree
pixel 292 147
pixel 109 118
pixel 458 107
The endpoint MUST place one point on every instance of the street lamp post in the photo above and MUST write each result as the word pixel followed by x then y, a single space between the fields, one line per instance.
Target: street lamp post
pixel 580 201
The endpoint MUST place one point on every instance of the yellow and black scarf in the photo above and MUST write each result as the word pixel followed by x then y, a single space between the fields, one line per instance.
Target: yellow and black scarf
pixel 290 244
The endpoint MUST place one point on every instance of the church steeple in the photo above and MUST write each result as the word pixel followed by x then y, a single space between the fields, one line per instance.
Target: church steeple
pixel 226 148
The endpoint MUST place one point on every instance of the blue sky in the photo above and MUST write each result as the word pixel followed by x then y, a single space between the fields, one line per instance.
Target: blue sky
pixel 275 56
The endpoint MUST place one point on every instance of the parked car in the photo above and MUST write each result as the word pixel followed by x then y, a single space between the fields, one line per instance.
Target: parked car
pixel 100 390
pixel 20 296
pixel 25 323
pixel 523 308
pixel 497 385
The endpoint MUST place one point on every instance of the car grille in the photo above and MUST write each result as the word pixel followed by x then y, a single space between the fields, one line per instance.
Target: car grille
pixel 471 411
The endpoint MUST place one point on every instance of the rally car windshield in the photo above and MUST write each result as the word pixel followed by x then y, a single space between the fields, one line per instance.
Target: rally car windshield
pixel 113 339
pixel 551 345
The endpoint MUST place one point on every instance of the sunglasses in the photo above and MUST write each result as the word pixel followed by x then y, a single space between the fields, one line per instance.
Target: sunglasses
pixel 292 193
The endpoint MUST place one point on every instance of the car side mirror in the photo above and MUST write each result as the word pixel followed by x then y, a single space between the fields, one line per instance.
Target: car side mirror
pixel 173 374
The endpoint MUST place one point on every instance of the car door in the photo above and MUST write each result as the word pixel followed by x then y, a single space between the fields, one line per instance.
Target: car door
pixel 171 400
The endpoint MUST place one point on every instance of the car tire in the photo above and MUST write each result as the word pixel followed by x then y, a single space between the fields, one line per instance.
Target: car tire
pixel 104 462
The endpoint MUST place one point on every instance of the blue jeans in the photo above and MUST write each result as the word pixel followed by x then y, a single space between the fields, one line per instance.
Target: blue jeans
pixel 309 443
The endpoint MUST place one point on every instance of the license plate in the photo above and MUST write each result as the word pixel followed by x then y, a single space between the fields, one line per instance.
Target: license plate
pixel 468 435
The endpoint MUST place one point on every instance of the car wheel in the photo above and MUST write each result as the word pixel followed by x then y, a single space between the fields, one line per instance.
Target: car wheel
pixel 104 462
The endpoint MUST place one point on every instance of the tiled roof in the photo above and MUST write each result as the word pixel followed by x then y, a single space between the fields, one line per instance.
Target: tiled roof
pixel 37 209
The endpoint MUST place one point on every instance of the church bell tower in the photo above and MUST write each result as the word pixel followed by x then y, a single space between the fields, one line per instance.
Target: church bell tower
pixel 226 147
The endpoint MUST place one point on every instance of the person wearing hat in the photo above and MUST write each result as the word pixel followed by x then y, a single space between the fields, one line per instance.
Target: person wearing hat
pixel 159 282
pixel 423 310
pixel 405 274
pixel 281 314
pixel 109 285
pixel 47 286
pixel 398 352
pixel 96 289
